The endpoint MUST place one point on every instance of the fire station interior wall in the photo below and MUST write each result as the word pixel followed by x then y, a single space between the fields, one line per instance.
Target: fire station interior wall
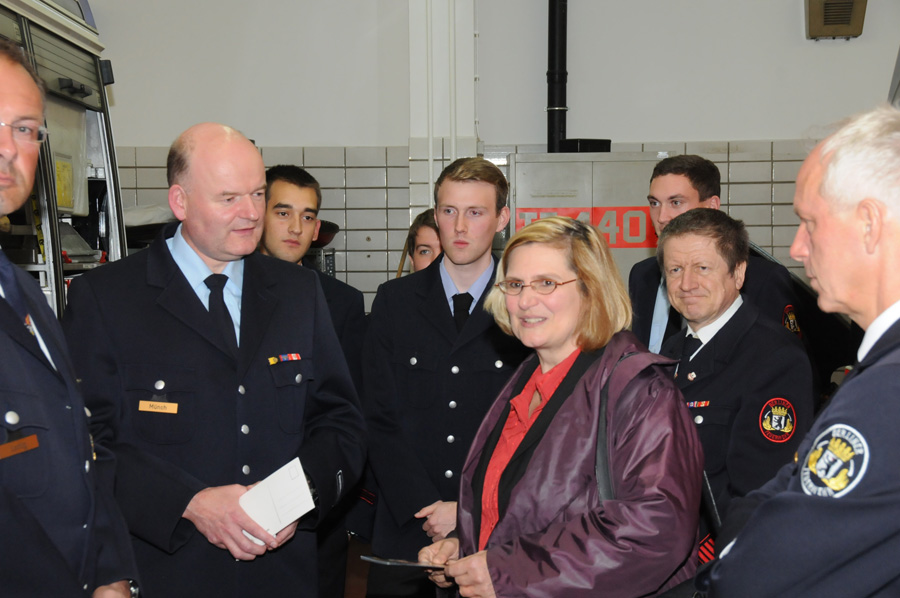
pixel 327 85
pixel 305 72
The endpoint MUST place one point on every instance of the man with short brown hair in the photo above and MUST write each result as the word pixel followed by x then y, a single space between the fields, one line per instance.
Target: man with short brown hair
pixel 679 184
pixel 746 380
pixel 293 200
pixel 433 363
pixel 62 534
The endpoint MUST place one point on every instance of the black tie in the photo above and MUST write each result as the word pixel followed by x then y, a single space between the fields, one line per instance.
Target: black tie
pixel 461 304
pixel 673 325
pixel 11 287
pixel 690 346
pixel 219 311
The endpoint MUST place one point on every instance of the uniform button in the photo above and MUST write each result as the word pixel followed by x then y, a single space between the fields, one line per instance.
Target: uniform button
pixel 159 384
pixel 85 586
pixel 246 469
pixel 11 417
pixel 242 390
pixel 455 369
pixel 698 419
pixel 245 429
pixel 87 412
pixel 87 466
pixel 498 364
pixel 84 526
pixel 450 439
pixel 298 378
pixel 413 361
pixel 452 404
pixel 448 474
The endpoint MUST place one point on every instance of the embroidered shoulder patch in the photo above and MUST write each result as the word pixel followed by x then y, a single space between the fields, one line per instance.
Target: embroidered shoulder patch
pixel 777 420
pixel 789 320
pixel 836 463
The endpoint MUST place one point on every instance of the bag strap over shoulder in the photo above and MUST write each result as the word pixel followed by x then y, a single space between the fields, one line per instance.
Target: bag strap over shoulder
pixel 601 463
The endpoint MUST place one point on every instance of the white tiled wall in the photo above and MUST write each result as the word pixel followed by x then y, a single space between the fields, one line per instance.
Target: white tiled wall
pixel 373 193
pixel 365 191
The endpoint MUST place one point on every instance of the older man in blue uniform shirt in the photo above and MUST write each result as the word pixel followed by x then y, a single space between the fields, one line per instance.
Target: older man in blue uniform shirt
pixel 203 388
pixel 827 525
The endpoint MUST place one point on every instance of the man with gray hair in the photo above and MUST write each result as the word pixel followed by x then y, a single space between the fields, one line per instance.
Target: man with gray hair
pixel 827 524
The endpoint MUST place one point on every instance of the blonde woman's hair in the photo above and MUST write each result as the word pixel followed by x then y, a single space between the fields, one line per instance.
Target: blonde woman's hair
pixel 606 308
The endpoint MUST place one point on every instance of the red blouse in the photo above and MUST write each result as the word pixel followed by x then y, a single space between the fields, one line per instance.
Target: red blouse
pixel 514 430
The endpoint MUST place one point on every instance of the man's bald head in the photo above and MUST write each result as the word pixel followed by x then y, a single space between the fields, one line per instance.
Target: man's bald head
pixel 218 185
pixel 178 160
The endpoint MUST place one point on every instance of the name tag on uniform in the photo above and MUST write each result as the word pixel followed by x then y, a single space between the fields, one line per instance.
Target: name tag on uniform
pixel 158 407
pixel 17 447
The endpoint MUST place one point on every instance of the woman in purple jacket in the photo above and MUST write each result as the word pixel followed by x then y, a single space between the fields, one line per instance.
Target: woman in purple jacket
pixel 533 519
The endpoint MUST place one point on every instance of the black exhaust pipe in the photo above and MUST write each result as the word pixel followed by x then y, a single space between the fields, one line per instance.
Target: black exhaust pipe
pixel 556 87
pixel 557 76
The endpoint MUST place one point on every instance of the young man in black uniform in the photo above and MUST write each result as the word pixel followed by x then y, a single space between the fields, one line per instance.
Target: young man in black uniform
pixel 293 201
pixel 433 363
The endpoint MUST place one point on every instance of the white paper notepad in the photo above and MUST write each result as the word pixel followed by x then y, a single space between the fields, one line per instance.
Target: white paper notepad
pixel 278 500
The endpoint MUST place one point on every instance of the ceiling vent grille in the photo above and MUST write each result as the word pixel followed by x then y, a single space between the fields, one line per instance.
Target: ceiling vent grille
pixel 838 12
pixel 834 18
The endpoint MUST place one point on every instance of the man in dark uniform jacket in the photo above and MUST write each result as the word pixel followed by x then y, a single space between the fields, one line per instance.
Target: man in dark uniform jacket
pixel 203 389
pixel 433 363
pixel 827 525
pixel 679 184
pixel 746 380
pixel 61 533
pixel 293 201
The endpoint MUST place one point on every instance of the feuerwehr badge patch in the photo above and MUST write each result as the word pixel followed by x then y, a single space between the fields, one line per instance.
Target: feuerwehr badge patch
pixel 777 420
pixel 836 463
